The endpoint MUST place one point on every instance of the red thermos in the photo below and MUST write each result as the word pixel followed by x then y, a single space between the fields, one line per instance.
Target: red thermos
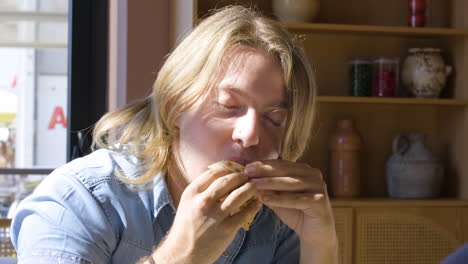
pixel 416 13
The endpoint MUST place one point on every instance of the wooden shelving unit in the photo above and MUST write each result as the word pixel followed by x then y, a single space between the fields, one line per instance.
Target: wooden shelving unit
pixel 361 28
pixel 374 228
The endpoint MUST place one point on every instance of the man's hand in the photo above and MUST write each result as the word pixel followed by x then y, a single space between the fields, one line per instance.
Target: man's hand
pixel 203 226
pixel 297 194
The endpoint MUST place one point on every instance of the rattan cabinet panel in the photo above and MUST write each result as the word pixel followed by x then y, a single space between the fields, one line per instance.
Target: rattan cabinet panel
pixel 405 235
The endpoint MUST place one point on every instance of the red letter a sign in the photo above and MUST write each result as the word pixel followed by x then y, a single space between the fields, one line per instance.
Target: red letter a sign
pixel 58 118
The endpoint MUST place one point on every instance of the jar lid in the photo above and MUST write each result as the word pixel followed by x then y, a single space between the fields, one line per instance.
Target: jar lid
pixel 435 50
pixel 416 50
pixel 360 61
pixel 385 60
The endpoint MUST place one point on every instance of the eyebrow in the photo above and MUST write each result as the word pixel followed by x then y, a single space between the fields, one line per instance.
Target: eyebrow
pixel 281 105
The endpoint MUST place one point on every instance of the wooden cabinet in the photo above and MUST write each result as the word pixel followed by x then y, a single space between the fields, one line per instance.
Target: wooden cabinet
pixel 344 225
pixel 399 232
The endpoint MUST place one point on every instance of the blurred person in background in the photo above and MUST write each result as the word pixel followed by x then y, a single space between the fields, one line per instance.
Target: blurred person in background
pixel 6 155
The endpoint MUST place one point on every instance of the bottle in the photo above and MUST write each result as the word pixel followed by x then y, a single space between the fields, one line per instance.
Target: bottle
pixel 416 13
pixel 345 147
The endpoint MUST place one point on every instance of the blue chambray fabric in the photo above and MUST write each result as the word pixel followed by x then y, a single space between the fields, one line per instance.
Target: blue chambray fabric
pixel 82 213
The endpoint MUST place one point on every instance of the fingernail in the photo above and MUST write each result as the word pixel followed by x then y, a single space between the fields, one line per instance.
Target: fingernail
pixel 267 198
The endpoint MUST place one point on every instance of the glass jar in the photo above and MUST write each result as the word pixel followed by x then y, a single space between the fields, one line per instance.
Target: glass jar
pixel 360 77
pixel 385 77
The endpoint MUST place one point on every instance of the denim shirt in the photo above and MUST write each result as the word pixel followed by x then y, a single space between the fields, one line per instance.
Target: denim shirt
pixel 82 213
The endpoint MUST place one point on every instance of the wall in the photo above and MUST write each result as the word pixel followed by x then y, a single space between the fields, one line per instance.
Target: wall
pixel 147 44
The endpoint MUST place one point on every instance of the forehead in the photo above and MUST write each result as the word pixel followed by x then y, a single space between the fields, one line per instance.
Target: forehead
pixel 254 74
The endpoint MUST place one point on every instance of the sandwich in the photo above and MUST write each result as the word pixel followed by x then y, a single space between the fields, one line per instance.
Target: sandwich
pixel 235 167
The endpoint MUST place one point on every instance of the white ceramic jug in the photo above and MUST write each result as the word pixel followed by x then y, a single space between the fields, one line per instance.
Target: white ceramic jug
pixel 413 172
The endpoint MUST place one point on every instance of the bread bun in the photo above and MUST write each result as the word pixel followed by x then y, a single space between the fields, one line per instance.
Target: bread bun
pixel 228 165
pixel 235 167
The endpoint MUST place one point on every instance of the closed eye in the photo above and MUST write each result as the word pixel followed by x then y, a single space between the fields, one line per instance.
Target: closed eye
pixel 276 117
pixel 227 107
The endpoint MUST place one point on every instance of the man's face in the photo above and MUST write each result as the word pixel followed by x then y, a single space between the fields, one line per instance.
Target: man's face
pixel 243 120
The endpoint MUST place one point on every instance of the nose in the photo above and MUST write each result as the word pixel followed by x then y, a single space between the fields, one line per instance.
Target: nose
pixel 246 130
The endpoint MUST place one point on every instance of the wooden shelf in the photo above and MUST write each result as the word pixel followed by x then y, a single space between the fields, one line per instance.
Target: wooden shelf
pixel 349 29
pixel 388 202
pixel 388 100
pixel 376 30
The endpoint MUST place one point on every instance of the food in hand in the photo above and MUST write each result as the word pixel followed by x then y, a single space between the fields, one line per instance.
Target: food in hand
pixel 235 167
pixel 228 165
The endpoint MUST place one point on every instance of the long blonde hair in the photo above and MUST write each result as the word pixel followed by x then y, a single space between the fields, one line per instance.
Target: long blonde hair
pixel 146 129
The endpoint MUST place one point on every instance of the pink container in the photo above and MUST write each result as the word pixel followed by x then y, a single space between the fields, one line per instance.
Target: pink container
pixel 385 77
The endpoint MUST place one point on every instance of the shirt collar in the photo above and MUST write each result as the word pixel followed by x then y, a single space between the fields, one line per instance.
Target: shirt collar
pixel 128 164
pixel 161 195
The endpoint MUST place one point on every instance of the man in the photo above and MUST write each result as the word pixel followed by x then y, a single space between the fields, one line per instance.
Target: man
pixel 238 88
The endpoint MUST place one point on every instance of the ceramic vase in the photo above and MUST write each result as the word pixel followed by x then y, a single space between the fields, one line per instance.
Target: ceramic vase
pixel 345 146
pixel 413 172
pixel 296 11
pixel 424 72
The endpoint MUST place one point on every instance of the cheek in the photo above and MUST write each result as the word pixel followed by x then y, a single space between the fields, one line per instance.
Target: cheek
pixel 201 141
pixel 195 147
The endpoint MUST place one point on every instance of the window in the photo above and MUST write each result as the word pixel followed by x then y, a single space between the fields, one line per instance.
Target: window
pixel 33 82
pixel 50 89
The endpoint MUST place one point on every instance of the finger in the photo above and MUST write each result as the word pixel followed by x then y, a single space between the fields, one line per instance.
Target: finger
pixel 301 201
pixel 244 215
pixel 223 185
pixel 202 182
pixel 288 183
pixel 238 198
